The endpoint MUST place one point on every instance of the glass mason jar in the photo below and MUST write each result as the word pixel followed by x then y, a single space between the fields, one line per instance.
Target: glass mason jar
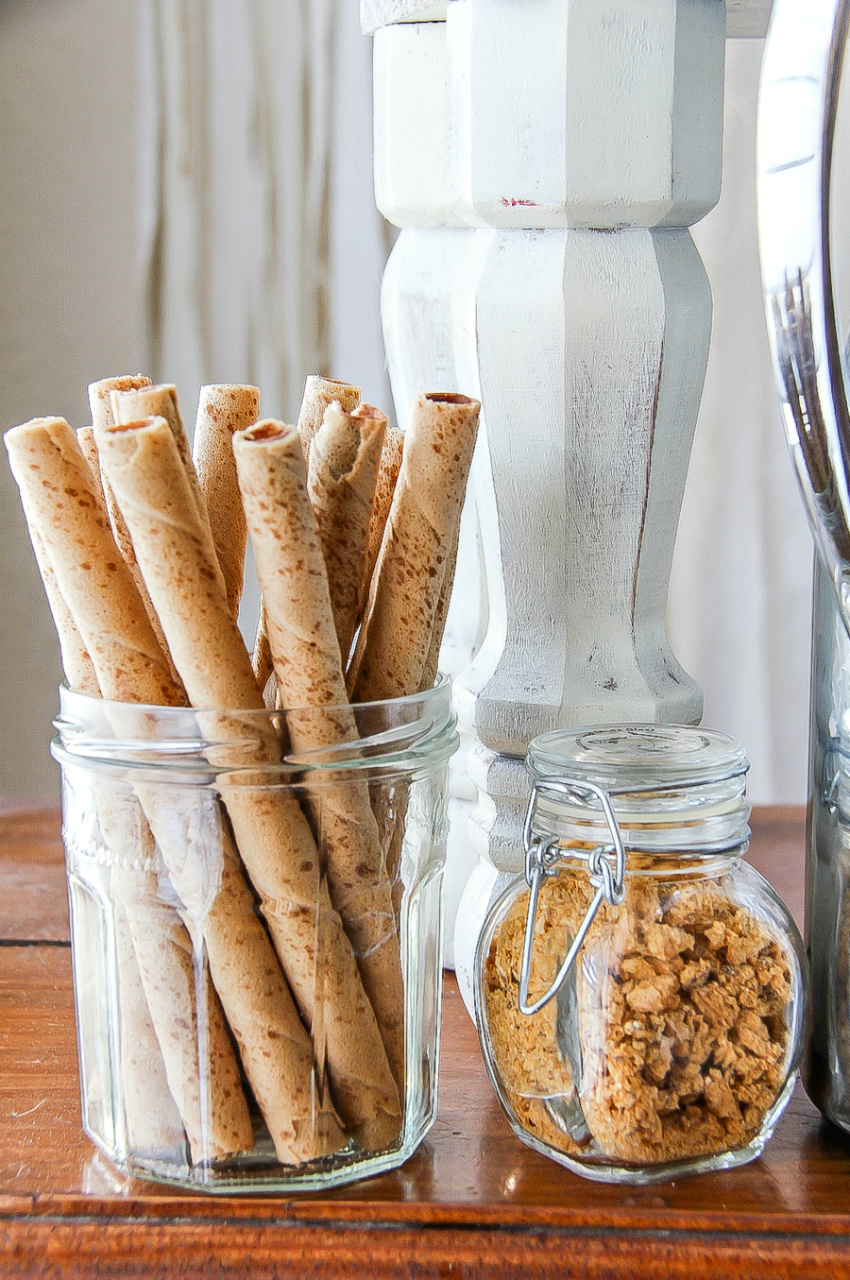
pixel 256 936
pixel 640 992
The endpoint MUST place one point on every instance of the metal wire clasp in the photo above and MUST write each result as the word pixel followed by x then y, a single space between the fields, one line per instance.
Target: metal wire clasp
pixel 541 855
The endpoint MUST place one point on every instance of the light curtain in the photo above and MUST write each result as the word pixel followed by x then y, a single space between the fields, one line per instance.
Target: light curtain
pixel 235 110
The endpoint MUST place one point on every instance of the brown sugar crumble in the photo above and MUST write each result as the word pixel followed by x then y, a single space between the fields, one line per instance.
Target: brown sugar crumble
pixel 680 1000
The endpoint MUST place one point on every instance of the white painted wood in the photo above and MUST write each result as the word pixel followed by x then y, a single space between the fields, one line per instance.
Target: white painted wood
pixel 589 351
pixel 581 137
pixel 409 92
pixel 551 113
pixel 589 356
pixel 747 18
pixel 584 112
pixel 743 17
pixel 379 13
pixel 419 284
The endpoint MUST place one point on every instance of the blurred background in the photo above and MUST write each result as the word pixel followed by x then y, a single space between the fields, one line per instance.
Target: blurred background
pixel 186 191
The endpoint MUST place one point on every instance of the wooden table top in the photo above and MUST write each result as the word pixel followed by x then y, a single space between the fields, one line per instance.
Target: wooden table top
pixel 472 1202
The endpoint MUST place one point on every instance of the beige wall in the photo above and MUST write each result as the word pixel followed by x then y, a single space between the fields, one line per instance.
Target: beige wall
pixel 67 311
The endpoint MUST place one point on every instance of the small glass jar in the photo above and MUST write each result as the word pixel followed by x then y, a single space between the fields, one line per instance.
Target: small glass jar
pixel 640 992
pixel 256 936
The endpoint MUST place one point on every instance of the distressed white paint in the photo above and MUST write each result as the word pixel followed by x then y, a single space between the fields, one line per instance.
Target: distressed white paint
pixel 379 13
pixel 409 93
pixel 590 351
pixel 587 351
pixel 748 18
pixel 743 17
pixel 575 112
pixel 551 113
pixel 579 138
pixel 417 293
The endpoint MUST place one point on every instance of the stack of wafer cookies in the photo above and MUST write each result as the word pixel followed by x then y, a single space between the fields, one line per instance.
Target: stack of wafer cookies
pixel 142 553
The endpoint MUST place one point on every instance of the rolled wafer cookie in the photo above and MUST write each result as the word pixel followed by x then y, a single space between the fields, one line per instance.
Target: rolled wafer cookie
pixel 261 655
pixel 100 396
pixel 396 634
pixel 429 671
pixel 76 661
pixel 99 393
pixel 153 1124
pixel 61 502
pixel 308 669
pixel 62 505
pixel 219 905
pixel 272 833
pixel 384 490
pixel 222 409
pixel 88 448
pixel 345 456
pixel 161 401
pixel 319 392
pixel 167 965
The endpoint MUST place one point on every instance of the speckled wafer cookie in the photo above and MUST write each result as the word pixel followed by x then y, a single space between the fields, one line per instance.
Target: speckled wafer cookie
pixel 308 668
pixel 344 460
pixel 272 834
pixel 100 401
pixel 62 504
pixel 319 392
pixel 223 409
pixel 388 470
pixel 160 401
pixel 395 638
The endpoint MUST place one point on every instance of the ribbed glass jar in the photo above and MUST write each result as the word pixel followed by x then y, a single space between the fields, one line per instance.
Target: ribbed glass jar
pixel 256 936
pixel 639 992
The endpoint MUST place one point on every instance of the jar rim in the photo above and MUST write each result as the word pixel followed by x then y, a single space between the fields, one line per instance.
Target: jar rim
pixel 392 734
pixel 630 758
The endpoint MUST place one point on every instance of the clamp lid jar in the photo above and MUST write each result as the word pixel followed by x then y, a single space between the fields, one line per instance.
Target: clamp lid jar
pixel 639 991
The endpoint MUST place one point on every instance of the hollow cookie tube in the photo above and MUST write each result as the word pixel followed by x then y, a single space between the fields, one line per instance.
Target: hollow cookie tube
pixel 388 470
pixel 345 458
pixel 397 631
pixel 153 1123
pixel 309 675
pixel 273 836
pixel 222 409
pixel 100 402
pixel 63 507
pixel 398 644
pixel 318 393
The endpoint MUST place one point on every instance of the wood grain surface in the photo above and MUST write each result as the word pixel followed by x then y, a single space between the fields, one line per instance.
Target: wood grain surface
pixel 472 1202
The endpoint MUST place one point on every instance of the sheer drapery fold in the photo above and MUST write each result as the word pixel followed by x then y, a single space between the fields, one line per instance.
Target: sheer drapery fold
pixel 235 110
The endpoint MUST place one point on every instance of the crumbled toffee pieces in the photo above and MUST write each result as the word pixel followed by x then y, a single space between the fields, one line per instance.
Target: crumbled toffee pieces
pixel 682 996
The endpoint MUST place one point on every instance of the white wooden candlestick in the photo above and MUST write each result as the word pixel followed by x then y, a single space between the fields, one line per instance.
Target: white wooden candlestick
pixel 545 158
